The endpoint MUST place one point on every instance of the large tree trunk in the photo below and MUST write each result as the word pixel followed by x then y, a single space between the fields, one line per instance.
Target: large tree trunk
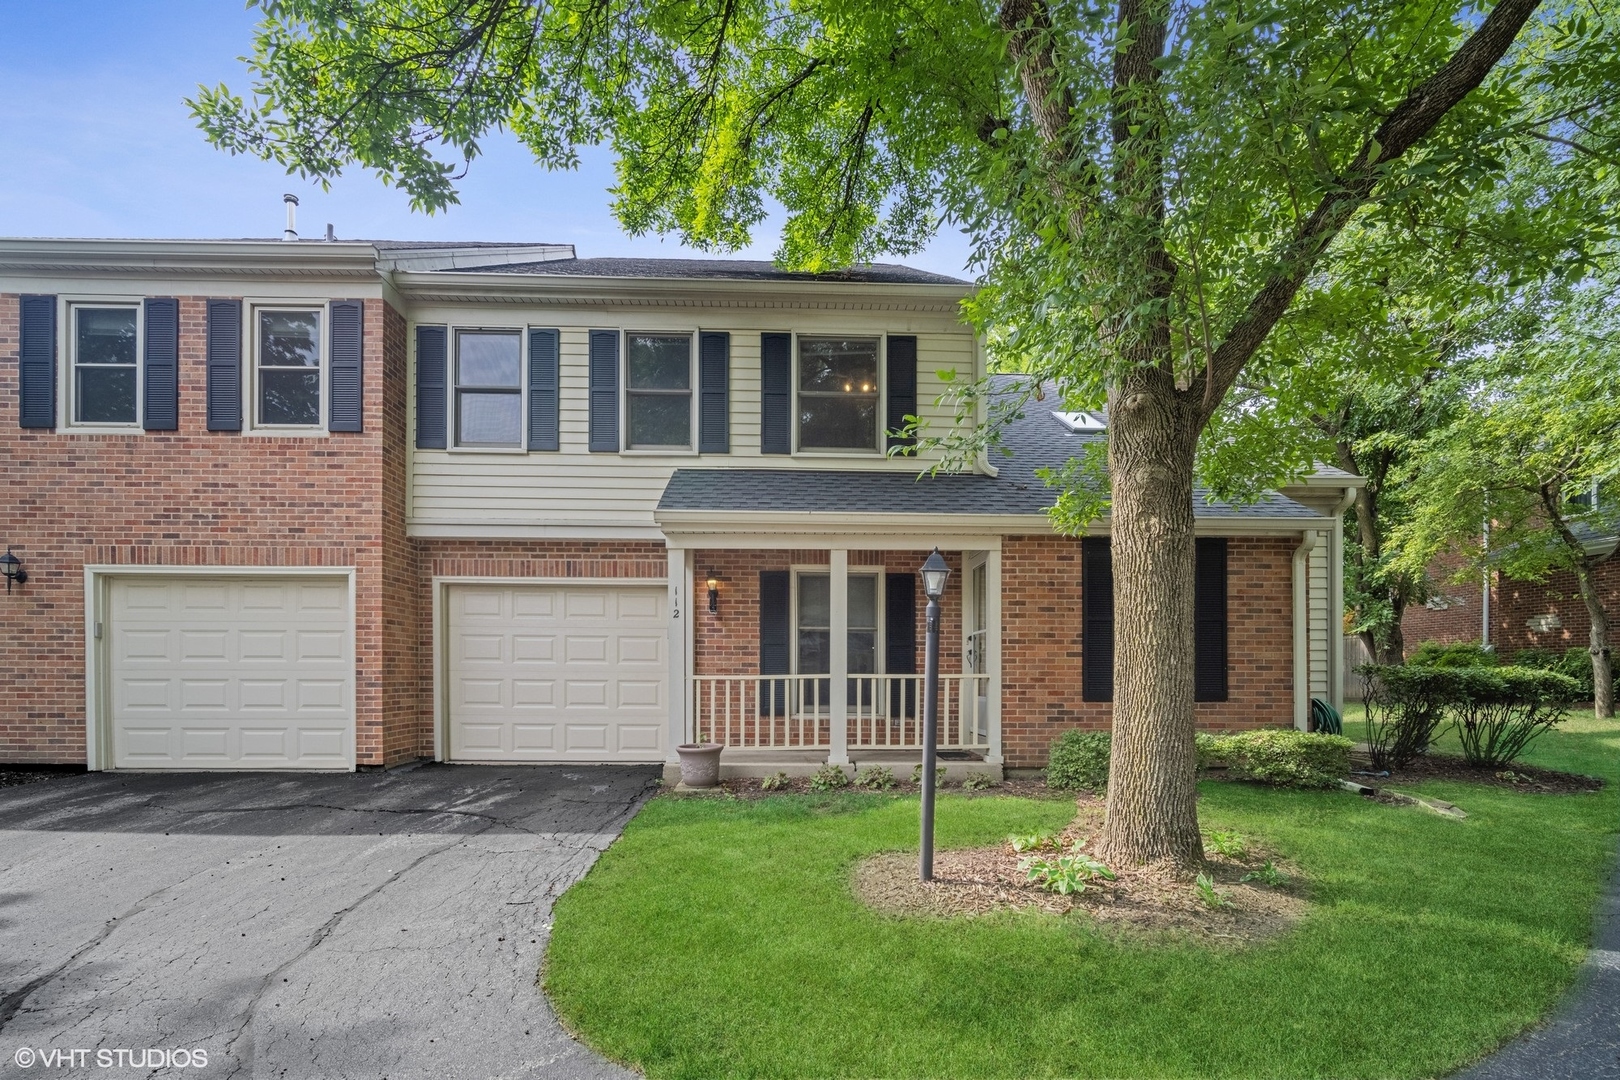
pixel 1598 644
pixel 1394 650
pixel 1152 787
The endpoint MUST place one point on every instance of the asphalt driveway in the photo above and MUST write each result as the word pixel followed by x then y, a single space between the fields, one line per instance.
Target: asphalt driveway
pixel 336 926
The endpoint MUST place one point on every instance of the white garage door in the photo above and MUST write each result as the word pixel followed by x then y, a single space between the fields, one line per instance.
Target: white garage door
pixel 557 673
pixel 231 673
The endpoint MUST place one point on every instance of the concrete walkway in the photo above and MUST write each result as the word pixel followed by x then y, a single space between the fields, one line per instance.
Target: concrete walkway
pixel 335 926
pixel 1582 1040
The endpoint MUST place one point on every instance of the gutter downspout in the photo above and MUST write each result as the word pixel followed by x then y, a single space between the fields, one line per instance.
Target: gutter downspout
pixel 1485 591
pixel 1302 630
pixel 1335 628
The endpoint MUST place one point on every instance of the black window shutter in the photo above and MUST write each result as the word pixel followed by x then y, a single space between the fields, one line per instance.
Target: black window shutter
pixel 902 387
pixel 1096 619
pixel 775 637
pixel 36 363
pixel 431 400
pixel 160 360
pixel 543 347
pixel 714 393
pixel 1209 620
pixel 776 393
pixel 224 365
pixel 604 392
pixel 345 411
pixel 900 639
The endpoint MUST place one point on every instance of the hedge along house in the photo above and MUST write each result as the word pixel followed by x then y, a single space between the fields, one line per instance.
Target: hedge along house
pixel 326 505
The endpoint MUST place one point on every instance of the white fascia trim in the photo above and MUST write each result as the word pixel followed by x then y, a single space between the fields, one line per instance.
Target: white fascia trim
pixel 339 259
pixel 735 522
pixel 577 288
pixel 528 530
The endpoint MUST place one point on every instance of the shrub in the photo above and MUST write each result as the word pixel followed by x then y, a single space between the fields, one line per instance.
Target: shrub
pixel 875 778
pixel 1575 662
pixel 775 782
pixel 979 782
pixel 1208 748
pixel 1406 706
pixel 939 775
pixel 1462 654
pixel 829 778
pixel 1229 844
pixel 1078 759
pixel 1499 713
pixel 1286 757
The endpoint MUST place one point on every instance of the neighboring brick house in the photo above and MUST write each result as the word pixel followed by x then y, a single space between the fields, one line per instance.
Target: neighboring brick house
pixel 1517 615
pixel 348 504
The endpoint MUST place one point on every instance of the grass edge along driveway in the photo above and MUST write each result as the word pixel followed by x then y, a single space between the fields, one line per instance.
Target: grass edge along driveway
pixel 720 938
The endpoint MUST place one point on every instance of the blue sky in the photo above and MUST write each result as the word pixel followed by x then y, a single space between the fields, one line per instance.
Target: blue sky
pixel 95 141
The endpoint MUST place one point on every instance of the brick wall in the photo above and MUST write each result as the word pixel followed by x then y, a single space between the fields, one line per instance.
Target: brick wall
pixel 1455 614
pixel 1040 643
pixel 1514 603
pixel 193 498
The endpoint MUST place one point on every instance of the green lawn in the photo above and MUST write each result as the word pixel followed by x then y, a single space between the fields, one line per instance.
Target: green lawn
pixel 720 938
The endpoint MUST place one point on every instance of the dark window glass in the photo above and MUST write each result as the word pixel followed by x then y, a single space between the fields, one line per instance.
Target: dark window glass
pixel 489 388
pixel 659 390
pixel 815 624
pixel 290 368
pixel 104 361
pixel 838 393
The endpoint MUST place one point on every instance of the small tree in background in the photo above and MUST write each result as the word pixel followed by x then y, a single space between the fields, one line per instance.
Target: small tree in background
pixel 1536 453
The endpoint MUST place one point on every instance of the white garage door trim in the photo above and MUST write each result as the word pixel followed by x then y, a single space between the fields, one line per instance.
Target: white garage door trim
pixel 98 581
pixel 441 641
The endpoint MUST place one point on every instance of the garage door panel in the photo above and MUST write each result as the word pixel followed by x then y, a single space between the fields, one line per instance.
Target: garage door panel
pixel 231 673
pixel 582 672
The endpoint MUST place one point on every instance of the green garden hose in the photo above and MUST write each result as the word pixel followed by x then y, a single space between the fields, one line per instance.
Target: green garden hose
pixel 1325 719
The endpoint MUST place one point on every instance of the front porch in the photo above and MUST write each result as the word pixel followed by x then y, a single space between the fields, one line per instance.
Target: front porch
pixel 811 653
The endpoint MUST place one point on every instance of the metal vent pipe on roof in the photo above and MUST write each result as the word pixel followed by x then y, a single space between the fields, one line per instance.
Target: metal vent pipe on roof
pixel 291 231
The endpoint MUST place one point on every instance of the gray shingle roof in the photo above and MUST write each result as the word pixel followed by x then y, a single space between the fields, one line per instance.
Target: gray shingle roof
pixel 1037 440
pixel 731 269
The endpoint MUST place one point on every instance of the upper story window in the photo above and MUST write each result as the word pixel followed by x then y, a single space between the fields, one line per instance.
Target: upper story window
pixel 838 393
pixel 489 388
pixel 658 390
pixel 106 387
pixel 289 369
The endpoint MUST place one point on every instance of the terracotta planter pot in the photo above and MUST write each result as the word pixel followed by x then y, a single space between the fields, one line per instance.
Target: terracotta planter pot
pixel 700 763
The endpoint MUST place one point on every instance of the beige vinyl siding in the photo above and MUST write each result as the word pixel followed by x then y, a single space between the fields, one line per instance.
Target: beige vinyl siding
pixel 573 489
pixel 1323 634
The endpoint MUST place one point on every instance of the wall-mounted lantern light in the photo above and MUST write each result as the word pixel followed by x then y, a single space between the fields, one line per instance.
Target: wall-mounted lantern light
pixel 12 567
pixel 714 593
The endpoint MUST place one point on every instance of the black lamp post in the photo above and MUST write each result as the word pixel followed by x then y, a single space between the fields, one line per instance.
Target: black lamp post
pixel 934 573
pixel 12 568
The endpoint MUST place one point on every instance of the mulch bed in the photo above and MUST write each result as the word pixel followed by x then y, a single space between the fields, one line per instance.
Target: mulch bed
pixel 1517 777
pixel 749 788
pixel 1144 900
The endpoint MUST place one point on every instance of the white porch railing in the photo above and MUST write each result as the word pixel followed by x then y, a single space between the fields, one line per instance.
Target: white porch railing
pixel 881 711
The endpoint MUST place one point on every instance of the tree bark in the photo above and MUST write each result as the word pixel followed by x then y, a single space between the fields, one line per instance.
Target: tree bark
pixel 1152 788
pixel 1598 644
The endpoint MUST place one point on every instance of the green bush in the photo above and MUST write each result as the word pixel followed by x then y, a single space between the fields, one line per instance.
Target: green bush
pixel 1496 711
pixel 875 778
pixel 1285 757
pixel 1208 749
pixel 1462 654
pixel 1078 759
pixel 1575 662
pixel 829 778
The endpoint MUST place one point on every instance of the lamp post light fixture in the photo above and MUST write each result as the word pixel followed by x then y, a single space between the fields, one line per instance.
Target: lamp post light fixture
pixel 714 593
pixel 12 568
pixel 934 573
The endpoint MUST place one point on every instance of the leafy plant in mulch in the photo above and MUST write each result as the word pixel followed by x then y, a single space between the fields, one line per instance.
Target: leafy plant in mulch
pixel 939 774
pixel 1228 844
pixel 875 778
pixel 829 778
pixel 1267 874
pixel 1066 874
pixel 979 782
pixel 1204 885
pixel 777 781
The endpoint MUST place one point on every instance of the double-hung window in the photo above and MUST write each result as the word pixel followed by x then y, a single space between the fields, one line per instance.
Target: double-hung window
pixel 838 393
pixel 658 391
pixel 106 355
pixel 489 388
pixel 289 369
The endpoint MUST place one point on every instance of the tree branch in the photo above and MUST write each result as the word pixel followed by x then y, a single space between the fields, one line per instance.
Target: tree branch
pixel 1413 119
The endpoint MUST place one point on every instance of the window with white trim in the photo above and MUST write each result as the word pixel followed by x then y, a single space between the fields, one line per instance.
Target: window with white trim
pixel 289 365
pixel 106 385
pixel 658 391
pixel 838 395
pixel 812 646
pixel 489 388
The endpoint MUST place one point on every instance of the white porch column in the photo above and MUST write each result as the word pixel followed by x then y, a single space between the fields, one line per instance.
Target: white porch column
pixel 680 624
pixel 992 650
pixel 838 694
